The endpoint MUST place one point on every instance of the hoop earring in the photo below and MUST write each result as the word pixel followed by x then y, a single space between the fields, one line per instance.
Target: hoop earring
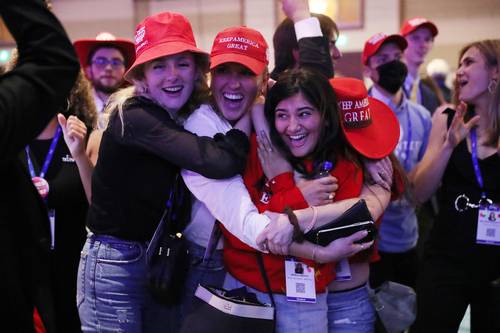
pixel 492 86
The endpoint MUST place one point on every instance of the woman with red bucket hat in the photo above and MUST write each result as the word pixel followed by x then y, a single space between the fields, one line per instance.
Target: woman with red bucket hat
pixel 318 141
pixel 141 151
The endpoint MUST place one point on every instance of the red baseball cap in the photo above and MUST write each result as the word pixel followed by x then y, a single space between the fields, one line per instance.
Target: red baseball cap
pixel 160 35
pixel 373 44
pixel 84 47
pixel 414 23
pixel 369 125
pixel 242 45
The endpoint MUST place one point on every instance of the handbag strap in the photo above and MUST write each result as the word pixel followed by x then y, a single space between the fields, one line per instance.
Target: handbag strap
pixel 266 280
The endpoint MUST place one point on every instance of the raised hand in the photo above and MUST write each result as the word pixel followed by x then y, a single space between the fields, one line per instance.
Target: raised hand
pixel 342 248
pixel 320 191
pixel 74 132
pixel 296 10
pixel 459 129
pixel 272 161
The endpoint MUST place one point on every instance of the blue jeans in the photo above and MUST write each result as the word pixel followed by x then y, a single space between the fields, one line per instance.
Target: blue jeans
pixel 291 317
pixel 111 288
pixel 350 311
pixel 211 272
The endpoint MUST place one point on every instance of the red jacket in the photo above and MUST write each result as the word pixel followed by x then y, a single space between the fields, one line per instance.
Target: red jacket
pixel 240 259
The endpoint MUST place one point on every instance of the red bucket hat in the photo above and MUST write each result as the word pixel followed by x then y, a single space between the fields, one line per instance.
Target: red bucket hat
pixel 242 45
pixel 162 35
pixel 414 23
pixel 84 47
pixel 369 125
pixel 373 44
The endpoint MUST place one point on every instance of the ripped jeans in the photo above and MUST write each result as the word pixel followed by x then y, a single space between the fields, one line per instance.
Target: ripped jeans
pixel 350 311
pixel 111 288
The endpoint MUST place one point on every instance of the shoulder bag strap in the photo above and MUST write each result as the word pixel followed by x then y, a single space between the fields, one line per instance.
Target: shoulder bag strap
pixel 266 280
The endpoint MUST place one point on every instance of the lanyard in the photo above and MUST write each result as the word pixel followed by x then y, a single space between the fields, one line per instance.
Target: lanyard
pixel 407 152
pixel 475 163
pixel 48 158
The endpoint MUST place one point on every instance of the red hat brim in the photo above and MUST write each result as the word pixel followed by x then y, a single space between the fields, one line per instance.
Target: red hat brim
pixel 257 67
pixel 83 47
pixel 163 50
pixel 381 137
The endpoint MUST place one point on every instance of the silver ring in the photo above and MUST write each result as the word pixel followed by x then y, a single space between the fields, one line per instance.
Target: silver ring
pixel 330 196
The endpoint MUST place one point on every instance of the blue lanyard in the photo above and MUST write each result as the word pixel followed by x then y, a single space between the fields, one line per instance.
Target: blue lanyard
pixel 48 158
pixel 407 152
pixel 475 163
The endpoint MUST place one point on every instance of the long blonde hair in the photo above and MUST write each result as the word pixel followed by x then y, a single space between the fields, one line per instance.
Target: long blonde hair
pixel 200 94
pixel 490 49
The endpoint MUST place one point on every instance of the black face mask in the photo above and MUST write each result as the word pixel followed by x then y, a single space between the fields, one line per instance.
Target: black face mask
pixel 392 75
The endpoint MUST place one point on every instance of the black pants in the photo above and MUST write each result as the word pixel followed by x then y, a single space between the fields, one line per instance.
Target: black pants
pixel 397 267
pixel 444 290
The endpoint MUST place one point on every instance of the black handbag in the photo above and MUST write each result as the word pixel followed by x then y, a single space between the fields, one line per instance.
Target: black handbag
pixel 167 253
pixel 219 310
pixel 354 219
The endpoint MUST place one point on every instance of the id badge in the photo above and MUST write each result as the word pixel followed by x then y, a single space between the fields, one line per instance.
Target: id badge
pixel 488 225
pixel 300 285
pixel 52 221
pixel 343 271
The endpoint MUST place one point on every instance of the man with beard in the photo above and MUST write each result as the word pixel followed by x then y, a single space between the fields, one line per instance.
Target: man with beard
pixel 419 33
pixel 104 60
pixel 398 232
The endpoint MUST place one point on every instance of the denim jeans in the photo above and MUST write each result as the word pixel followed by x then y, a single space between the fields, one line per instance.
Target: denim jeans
pixel 111 288
pixel 291 317
pixel 350 311
pixel 209 272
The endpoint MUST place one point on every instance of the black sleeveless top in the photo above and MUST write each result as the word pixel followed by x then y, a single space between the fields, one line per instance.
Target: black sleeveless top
pixel 454 233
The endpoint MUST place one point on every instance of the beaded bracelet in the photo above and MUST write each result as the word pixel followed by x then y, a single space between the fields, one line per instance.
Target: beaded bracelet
pixel 298 236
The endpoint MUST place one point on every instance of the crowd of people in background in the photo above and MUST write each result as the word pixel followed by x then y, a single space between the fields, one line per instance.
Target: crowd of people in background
pixel 90 153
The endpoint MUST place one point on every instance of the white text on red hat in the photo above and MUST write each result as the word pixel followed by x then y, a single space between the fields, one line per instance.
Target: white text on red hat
pixel 359 116
pixel 240 40
pixel 139 37
pixel 376 38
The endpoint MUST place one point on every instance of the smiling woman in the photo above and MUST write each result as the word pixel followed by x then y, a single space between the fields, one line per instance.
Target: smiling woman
pixel 141 152
pixel 462 257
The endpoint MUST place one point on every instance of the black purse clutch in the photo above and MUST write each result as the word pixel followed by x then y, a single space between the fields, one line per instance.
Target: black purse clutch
pixel 354 219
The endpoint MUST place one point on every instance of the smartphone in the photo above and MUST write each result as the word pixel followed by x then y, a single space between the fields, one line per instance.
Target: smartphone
pixel 326 236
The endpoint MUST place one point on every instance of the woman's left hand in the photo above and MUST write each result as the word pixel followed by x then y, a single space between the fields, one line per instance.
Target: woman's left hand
pixel 380 171
pixel 74 132
pixel 272 161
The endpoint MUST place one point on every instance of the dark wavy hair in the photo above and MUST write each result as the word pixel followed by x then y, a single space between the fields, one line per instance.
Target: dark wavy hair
pixel 318 91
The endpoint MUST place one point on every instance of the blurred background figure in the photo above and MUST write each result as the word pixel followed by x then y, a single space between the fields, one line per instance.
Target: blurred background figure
pixel 439 71
pixel 105 59
pixel 30 96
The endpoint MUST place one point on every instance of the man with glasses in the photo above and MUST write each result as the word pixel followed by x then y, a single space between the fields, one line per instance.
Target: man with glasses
pixel 104 60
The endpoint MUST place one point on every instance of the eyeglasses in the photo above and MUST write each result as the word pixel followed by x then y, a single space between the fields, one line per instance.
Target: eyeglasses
pixel 101 63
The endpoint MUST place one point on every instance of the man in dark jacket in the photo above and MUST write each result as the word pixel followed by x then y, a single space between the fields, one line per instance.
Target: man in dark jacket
pixel 30 95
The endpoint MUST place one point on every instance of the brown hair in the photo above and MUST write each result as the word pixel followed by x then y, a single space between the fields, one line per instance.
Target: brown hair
pixel 81 102
pixel 490 50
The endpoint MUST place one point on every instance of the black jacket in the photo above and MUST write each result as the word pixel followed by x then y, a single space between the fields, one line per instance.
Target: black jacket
pixel 30 95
